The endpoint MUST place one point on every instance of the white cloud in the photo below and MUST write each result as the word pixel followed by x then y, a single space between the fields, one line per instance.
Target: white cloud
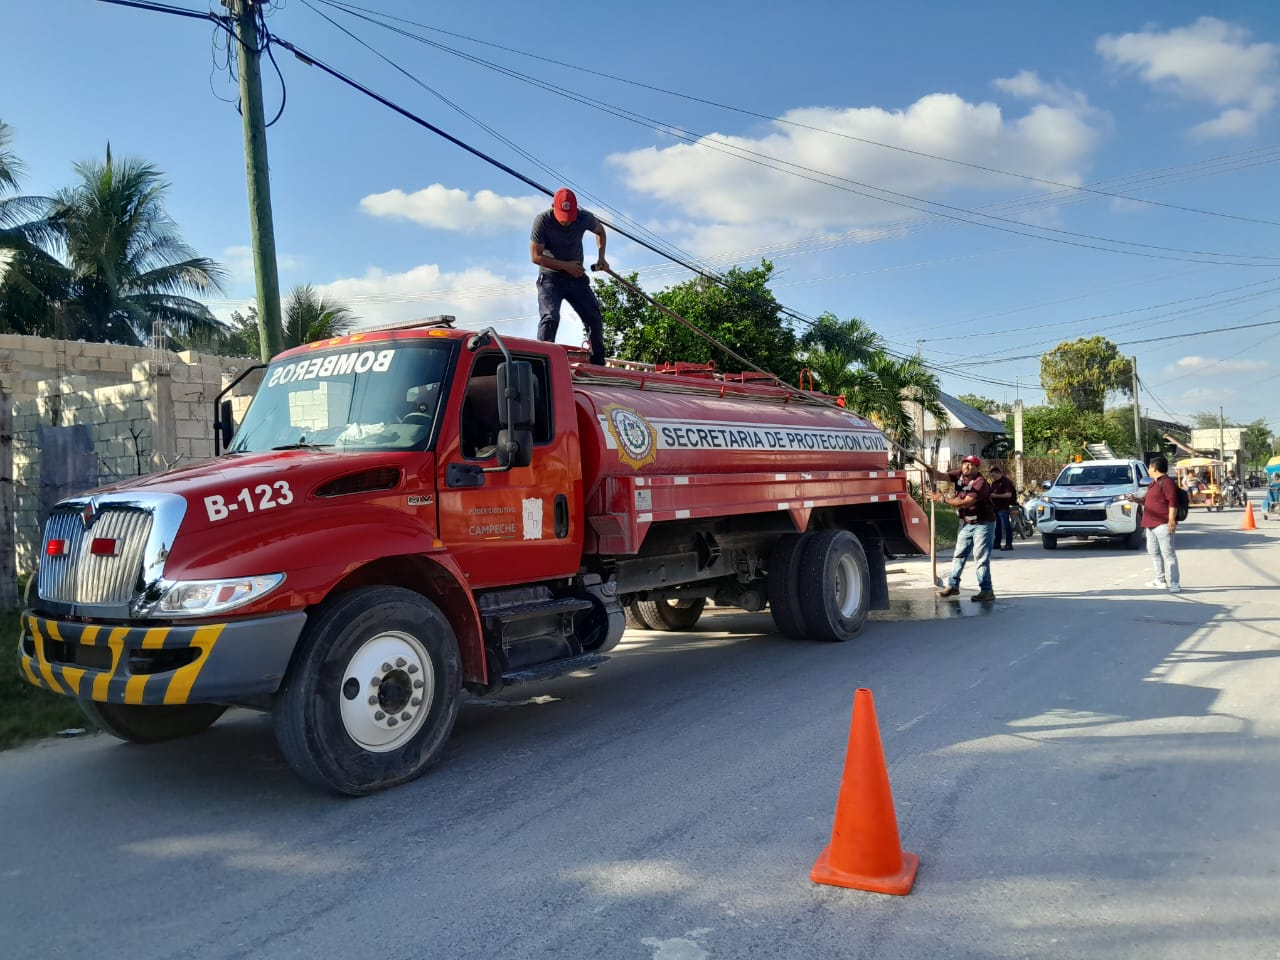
pixel 704 180
pixel 1210 61
pixel 445 208
pixel 477 297
pixel 1206 366
pixel 1028 85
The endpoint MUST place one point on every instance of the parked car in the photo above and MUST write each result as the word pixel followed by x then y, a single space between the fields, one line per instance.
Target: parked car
pixel 1095 498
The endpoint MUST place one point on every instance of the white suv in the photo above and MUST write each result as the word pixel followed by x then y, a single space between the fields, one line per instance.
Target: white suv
pixel 1096 498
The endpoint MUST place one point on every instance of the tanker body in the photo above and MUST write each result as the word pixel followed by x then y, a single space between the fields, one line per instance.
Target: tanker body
pixel 405 515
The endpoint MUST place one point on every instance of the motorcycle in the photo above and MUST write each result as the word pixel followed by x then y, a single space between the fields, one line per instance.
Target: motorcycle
pixel 1233 494
pixel 1022 527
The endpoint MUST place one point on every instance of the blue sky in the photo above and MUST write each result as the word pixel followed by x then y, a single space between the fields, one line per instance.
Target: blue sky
pixel 1167 112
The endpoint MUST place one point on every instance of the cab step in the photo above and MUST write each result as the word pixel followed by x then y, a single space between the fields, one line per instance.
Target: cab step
pixel 538 608
pixel 553 668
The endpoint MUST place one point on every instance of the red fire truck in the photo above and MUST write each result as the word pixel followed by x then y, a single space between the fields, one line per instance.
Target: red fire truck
pixel 407 514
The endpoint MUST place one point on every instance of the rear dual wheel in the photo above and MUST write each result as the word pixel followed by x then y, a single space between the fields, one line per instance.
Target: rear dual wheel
pixel 820 586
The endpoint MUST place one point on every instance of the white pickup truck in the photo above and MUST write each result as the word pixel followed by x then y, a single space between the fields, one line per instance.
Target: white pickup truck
pixel 1096 498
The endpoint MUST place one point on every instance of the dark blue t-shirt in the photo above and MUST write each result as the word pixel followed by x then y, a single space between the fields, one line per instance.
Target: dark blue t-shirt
pixel 560 240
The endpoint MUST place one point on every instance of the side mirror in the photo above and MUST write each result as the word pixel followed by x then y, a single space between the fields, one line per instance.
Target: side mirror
pixel 515 395
pixel 1145 482
pixel 1046 485
pixel 515 448
pixel 225 427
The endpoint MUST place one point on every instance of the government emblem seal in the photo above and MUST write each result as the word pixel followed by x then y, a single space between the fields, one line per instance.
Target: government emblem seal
pixel 636 439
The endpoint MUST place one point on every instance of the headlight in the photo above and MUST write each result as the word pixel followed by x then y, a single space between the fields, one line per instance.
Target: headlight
pixel 201 598
pixel 1121 498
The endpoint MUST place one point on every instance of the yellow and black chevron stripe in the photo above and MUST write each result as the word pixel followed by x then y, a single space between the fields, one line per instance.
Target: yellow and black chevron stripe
pixel 114 683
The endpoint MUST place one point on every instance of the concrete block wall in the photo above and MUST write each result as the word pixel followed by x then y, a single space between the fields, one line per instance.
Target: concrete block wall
pixel 146 411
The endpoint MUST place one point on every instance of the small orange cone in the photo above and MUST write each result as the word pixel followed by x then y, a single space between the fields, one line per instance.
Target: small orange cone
pixel 1248 517
pixel 865 852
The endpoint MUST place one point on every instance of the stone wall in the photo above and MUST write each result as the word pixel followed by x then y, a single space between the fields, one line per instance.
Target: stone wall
pixel 146 410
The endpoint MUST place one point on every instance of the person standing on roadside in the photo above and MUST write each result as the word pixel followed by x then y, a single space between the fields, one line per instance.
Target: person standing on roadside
pixel 1004 497
pixel 971 497
pixel 555 245
pixel 1160 520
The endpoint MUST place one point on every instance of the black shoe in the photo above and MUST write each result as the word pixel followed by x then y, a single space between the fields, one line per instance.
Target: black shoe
pixel 986 596
pixel 949 592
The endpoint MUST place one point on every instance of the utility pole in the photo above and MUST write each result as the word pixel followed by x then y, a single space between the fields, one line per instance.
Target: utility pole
pixel 1137 410
pixel 1222 443
pixel 270 336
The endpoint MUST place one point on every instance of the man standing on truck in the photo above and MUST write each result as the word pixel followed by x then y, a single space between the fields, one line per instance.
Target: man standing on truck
pixel 1160 520
pixel 971 497
pixel 555 245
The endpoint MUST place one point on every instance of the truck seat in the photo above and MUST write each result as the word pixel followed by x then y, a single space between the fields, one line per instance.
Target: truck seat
pixel 480 423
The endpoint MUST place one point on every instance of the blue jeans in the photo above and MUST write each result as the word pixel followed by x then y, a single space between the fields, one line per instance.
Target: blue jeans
pixel 1004 528
pixel 973 539
pixel 1164 559
pixel 554 289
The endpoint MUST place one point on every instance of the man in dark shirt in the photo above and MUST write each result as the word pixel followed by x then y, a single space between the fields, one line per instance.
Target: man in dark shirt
pixel 972 500
pixel 1160 520
pixel 555 245
pixel 1003 498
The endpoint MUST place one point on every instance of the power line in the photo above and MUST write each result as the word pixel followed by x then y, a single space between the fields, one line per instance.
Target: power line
pixel 859 188
pixel 351 8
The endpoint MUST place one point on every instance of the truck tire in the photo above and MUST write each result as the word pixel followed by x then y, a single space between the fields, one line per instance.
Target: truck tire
pixel 138 723
pixel 372 693
pixel 1049 540
pixel 834 586
pixel 782 585
pixel 666 614
pixel 634 620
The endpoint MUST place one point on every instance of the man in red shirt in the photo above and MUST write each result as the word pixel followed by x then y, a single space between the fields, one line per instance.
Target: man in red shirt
pixel 972 499
pixel 1003 498
pixel 1160 520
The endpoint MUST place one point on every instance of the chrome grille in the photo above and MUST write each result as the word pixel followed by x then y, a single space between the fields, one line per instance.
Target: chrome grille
pixel 80 577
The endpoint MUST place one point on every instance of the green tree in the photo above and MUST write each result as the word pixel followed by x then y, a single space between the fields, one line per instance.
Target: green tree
pixel 979 402
pixel 107 264
pixel 1063 429
pixel 308 317
pixel 1083 372
pixel 741 313
pixel 848 358
pixel 29 278
pixel 1257 442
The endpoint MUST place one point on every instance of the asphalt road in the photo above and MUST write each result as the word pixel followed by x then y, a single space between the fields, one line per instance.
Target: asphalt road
pixel 1086 769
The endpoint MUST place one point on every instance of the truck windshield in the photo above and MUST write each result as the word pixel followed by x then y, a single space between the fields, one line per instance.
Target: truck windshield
pixel 383 396
pixel 1094 475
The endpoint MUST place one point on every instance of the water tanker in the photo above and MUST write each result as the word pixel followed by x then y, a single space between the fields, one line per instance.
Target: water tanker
pixel 403 516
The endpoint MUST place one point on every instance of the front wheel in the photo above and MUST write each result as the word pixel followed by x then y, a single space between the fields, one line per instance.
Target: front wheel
pixel 1049 540
pixel 834 586
pixel 138 723
pixel 1137 538
pixel 373 693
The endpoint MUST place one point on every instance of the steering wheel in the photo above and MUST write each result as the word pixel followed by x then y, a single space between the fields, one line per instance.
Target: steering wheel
pixel 416 416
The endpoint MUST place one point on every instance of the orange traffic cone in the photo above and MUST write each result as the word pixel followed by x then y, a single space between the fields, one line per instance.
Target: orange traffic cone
pixel 865 852
pixel 1248 517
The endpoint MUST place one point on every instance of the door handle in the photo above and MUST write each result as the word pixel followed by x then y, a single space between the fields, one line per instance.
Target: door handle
pixel 464 475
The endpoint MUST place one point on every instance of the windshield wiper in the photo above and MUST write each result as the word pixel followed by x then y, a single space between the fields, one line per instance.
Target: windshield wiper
pixel 302 445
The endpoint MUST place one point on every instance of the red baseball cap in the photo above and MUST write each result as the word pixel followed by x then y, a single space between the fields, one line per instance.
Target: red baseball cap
pixel 972 459
pixel 565 205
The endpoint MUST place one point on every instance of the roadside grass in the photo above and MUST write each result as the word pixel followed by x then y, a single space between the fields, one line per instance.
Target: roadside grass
pixel 948 527
pixel 27 712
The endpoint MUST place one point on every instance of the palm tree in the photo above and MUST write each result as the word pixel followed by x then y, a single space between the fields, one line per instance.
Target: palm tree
pixel 29 280
pixel 126 266
pixel 849 358
pixel 308 317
